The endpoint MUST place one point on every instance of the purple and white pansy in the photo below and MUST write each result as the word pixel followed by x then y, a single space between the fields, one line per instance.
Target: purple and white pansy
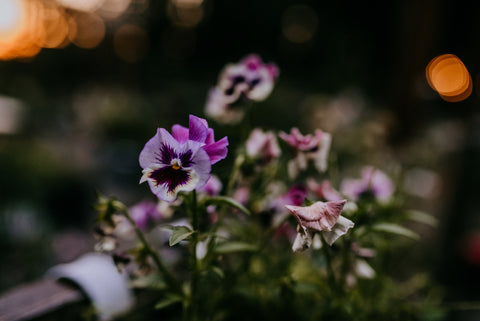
pixel 248 80
pixel 182 161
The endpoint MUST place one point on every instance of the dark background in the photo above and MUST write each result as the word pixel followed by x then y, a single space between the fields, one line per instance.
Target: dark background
pixel 51 168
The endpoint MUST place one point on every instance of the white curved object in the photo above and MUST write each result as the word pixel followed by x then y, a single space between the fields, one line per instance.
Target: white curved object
pixel 98 277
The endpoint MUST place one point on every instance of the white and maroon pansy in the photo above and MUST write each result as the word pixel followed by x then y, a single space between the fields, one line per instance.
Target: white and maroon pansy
pixel 323 217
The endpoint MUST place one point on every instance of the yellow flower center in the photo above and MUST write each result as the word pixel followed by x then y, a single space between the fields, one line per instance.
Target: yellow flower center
pixel 176 166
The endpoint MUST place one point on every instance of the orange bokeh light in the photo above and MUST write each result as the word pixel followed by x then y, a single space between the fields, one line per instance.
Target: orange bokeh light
pixel 448 76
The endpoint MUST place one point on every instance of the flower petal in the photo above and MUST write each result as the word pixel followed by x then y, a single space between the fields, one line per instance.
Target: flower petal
pixel 217 151
pixel 151 152
pixel 340 228
pixel 198 129
pixel 319 216
pixel 180 133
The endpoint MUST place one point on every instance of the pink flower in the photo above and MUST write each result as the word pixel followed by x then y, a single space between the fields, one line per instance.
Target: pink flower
pixel 324 190
pixel 308 147
pixel 262 145
pixel 212 187
pixel 319 217
pixel 372 181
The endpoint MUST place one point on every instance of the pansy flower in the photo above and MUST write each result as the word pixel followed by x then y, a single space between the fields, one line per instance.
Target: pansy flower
pixel 262 145
pixel 248 80
pixel 181 162
pixel 373 182
pixel 319 217
pixel 323 190
pixel 307 147
pixel 294 196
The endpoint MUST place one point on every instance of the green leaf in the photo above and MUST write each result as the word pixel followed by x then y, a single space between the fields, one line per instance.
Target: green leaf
pixel 179 233
pixel 422 217
pixel 224 200
pixel 229 247
pixel 169 300
pixel 395 229
pixel 218 271
pixel 151 281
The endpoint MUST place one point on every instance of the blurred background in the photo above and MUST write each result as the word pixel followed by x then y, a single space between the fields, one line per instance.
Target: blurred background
pixel 85 83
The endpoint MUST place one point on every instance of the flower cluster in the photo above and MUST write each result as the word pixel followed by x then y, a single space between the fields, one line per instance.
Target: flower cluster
pixel 279 197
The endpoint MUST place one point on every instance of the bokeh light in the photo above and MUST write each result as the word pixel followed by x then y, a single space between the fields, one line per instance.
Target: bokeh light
pixel 131 43
pixel 88 30
pixel 448 76
pixel 186 13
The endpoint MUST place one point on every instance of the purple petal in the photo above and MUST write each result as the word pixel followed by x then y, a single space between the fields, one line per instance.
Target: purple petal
pixel 218 150
pixel 180 133
pixel 198 129
pixel 151 152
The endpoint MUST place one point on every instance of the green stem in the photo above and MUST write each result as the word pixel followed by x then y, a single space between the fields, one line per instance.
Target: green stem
pixel 152 253
pixel 235 171
pixel 193 306
pixel 328 258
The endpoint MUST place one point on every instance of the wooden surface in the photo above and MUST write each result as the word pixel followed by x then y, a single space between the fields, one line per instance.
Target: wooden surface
pixel 30 301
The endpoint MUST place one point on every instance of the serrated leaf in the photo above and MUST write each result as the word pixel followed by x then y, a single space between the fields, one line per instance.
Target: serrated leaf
pixel 151 281
pixel 224 200
pixel 229 247
pixel 396 229
pixel 422 217
pixel 179 233
pixel 169 300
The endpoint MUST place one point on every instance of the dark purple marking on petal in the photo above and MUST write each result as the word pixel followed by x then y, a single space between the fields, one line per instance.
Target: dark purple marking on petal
pixel 167 153
pixel 254 83
pixel 186 159
pixel 170 176
pixel 235 81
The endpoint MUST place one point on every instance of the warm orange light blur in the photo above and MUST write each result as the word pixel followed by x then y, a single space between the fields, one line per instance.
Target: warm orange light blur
pixel 130 43
pixel 27 26
pixel 448 76
pixel 186 13
pixel 87 30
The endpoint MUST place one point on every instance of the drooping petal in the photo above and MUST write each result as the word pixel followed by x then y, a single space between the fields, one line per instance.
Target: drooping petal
pixel 320 157
pixel 217 151
pixel 319 216
pixel 303 240
pixel 340 228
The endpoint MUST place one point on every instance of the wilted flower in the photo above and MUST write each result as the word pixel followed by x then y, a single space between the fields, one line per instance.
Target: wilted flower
pixel 372 181
pixel 308 147
pixel 321 217
pixel 248 80
pixel 181 162
pixel 262 144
